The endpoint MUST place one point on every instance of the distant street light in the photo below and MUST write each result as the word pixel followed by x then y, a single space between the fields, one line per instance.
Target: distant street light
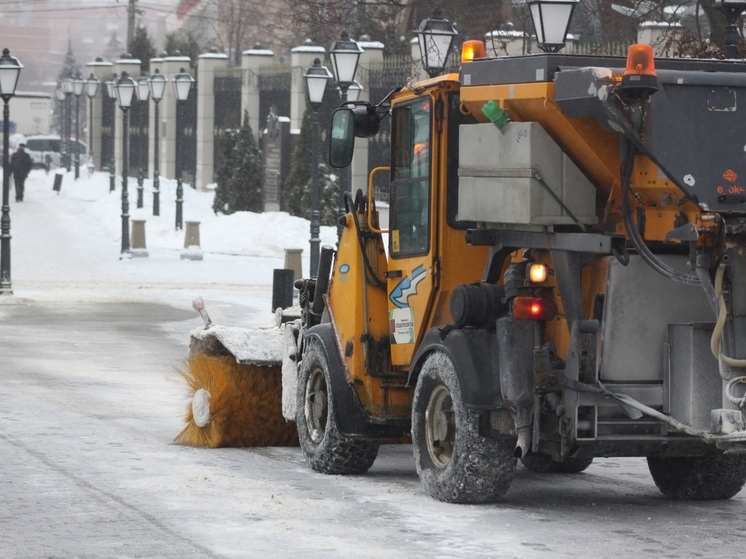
pixel 125 91
pixel 111 92
pixel 345 55
pixel 92 84
pixel 10 69
pixel 157 88
pixel 182 86
pixel 143 92
pixel 67 88
pixel 354 91
pixel 316 79
pixel 78 87
pixel 435 37
pixel 551 22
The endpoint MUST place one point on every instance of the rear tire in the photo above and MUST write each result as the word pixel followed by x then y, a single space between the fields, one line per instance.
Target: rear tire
pixel 325 449
pixel 710 477
pixel 544 464
pixel 455 463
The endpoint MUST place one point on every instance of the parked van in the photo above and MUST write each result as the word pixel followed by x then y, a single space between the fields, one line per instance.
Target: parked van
pixel 45 151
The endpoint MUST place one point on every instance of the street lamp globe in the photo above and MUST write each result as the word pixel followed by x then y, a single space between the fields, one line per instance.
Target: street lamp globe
pixel 111 86
pixel 435 37
pixel 183 85
pixel 551 20
pixel 143 88
pixel 125 91
pixel 59 93
pixel 157 85
pixel 316 78
pixel 67 85
pixel 78 86
pixel 10 69
pixel 92 84
pixel 345 55
pixel 354 91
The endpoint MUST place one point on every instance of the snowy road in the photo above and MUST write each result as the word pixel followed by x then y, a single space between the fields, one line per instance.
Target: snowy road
pixel 89 406
pixel 89 409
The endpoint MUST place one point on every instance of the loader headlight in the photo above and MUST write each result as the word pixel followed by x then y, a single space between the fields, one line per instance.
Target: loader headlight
pixel 537 272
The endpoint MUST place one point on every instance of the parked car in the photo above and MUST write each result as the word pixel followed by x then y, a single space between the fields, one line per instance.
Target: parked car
pixel 46 150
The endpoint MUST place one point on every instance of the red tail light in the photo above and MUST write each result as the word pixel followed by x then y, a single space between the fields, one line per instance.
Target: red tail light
pixel 534 308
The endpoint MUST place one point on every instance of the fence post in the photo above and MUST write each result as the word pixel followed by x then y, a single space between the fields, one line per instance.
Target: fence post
pixel 251 61
pixel 209 64
pixel 301 58
pixel 138 246
pixel 192 249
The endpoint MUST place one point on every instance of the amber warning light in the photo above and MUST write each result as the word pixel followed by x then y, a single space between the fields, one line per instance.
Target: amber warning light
pixel 472 50
pixel 640 70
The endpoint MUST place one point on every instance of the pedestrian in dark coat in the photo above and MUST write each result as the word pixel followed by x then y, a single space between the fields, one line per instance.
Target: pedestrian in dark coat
pixel 20 166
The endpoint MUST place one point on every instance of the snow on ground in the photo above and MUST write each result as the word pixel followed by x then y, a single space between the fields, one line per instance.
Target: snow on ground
pixel 67 245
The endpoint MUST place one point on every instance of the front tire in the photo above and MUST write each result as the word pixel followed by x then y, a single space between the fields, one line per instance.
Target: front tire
pixel 325 449
pixel 455 463
pixel 709 477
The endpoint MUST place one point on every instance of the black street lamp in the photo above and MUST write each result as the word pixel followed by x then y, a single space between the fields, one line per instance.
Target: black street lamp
pixel 157 89
pixel 732 10
pixel 60 94
pixel 142 92
pixel 316 79
pixel 345 55
pixel 91 89
pixel 111 92
pixel 125 90
pixel 10 69
pixel 67 88
pixel 78 87
pixel 182 86
pixel 435 37
pixel 551 22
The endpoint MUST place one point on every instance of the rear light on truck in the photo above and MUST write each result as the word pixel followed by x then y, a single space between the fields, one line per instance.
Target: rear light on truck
pixel 640 70
pixel 534 308
pixel 537 272
pixel 473 50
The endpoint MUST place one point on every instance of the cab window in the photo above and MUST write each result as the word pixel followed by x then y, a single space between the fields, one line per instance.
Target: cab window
pixel 410 178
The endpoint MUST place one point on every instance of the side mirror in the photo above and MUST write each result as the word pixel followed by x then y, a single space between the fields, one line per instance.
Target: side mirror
pixel 359 121
pixel 341 138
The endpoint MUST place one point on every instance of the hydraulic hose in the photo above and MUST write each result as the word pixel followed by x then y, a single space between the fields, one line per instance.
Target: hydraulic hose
pixel 722 315
pixel 639 243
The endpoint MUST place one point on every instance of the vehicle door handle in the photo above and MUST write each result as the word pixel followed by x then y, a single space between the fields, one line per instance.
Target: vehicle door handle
pixel 393 274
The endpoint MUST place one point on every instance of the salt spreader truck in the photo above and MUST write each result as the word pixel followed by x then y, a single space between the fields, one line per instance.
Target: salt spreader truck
pixel 563 278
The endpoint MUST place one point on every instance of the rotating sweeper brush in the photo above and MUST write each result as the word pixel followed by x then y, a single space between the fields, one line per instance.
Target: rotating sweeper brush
pixel 234 385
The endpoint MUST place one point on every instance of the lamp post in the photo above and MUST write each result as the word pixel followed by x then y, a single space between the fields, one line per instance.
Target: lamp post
pixel 125 90
pixel 67 88
pixel 142 92
pixel 60 94
pixel 10 69
pixel 435 37
pixel 78 87
pixel 345 55
pixel 551 20
pixel 354 91
pixel 182 86
pixel 732 10
pixel 316 78
pixel 111 92
pixel 157 89
pixel 91 89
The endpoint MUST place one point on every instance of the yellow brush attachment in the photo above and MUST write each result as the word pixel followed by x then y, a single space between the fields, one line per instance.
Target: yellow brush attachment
pixel 245 404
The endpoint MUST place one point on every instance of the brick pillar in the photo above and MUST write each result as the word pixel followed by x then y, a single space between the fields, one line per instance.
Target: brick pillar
pixel 132 67
pixel 170 66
